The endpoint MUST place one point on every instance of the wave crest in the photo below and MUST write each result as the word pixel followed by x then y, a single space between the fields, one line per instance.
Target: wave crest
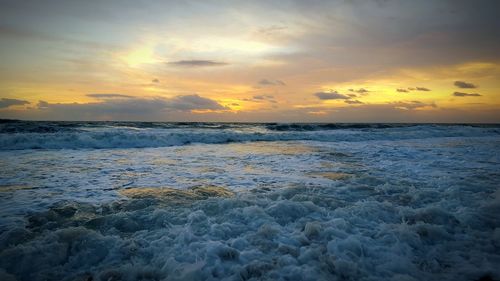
pixel 124 137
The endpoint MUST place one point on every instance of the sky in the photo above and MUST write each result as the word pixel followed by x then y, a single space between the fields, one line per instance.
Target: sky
pixel 251 61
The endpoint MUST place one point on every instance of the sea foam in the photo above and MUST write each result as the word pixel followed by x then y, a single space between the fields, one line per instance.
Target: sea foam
pixel 398 203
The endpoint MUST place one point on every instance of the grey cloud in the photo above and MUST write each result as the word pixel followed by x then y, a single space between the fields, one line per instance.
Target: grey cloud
pixel 464 85
pixel 42 104
pixel 407 90
pixel 271 30
pixel 360 113
pixel 193 102
pixel 410 105
pixel 392 113
pixel 422 89
pixel 353 102
pixel 441 31
pixel 266 82
pixel 155 80
pixel 460 94
pixel 197 63
pixel 4 102
pixel 359 91
pixel 107 106
pixel 258 98
pixel 108 96
pixel 330 96
pixel 263 97
pixel 129 108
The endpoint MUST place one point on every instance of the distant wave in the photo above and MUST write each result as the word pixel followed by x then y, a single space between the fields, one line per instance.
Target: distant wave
pixel 19 126
pixel 96 135
pixel 331 126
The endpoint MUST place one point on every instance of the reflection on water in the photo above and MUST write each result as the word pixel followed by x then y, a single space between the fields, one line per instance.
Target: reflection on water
pixel 269 148
pixel 331 175
pixel 12 188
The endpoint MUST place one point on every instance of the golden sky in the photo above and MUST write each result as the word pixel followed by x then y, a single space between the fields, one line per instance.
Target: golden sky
pixel 284 61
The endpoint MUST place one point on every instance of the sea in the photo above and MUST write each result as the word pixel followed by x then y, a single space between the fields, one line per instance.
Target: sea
pixel 249 201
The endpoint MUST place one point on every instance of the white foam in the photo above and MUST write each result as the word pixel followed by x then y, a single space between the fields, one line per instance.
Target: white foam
pixel 420 209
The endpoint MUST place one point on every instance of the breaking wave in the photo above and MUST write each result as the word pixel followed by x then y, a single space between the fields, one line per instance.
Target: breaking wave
pixel 99 135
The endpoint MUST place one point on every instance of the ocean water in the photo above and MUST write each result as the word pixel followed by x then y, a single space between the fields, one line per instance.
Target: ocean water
pixel 221 201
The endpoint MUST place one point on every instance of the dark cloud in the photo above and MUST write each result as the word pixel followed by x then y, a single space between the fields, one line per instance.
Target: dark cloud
pixel 193 102
pixel 129 105
pixel 359 91
pixel 460 94
pixel 266 82
pixel 464 85
pixel 155 80
pixel 407 90
pixel 4 102
pixel 129 108
pixel 197 63
pixel 410 105
pixel 351 95
pixel 108 96
pixel 42 104
pixel 353 102
pixel 330 96
pixel 392 112
pixel 259 98
pixel 263 97
pixel 271 30
pixel 422 89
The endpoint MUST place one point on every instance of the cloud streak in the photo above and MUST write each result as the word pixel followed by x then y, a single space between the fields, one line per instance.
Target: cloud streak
pixel 5 103
pixel 330 96
pixel 197 63
pixel 359 91
pixel 353 102
pixel 193 102
pixel 109 96
pixel 422 89
pixel 409 89
pixel 460 94
pixel 266 82
pixel 411 105
pixel 130 108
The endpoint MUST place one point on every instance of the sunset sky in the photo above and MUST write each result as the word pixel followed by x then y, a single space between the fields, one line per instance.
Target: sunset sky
pixel 284 61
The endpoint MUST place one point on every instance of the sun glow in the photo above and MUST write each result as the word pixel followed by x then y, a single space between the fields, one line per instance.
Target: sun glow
pixel 140 56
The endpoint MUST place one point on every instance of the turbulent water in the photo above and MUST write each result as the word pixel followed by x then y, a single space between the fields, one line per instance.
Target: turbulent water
pixel 223 201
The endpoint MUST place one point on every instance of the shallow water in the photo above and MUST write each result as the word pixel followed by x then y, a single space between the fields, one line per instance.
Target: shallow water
pixel 162 201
